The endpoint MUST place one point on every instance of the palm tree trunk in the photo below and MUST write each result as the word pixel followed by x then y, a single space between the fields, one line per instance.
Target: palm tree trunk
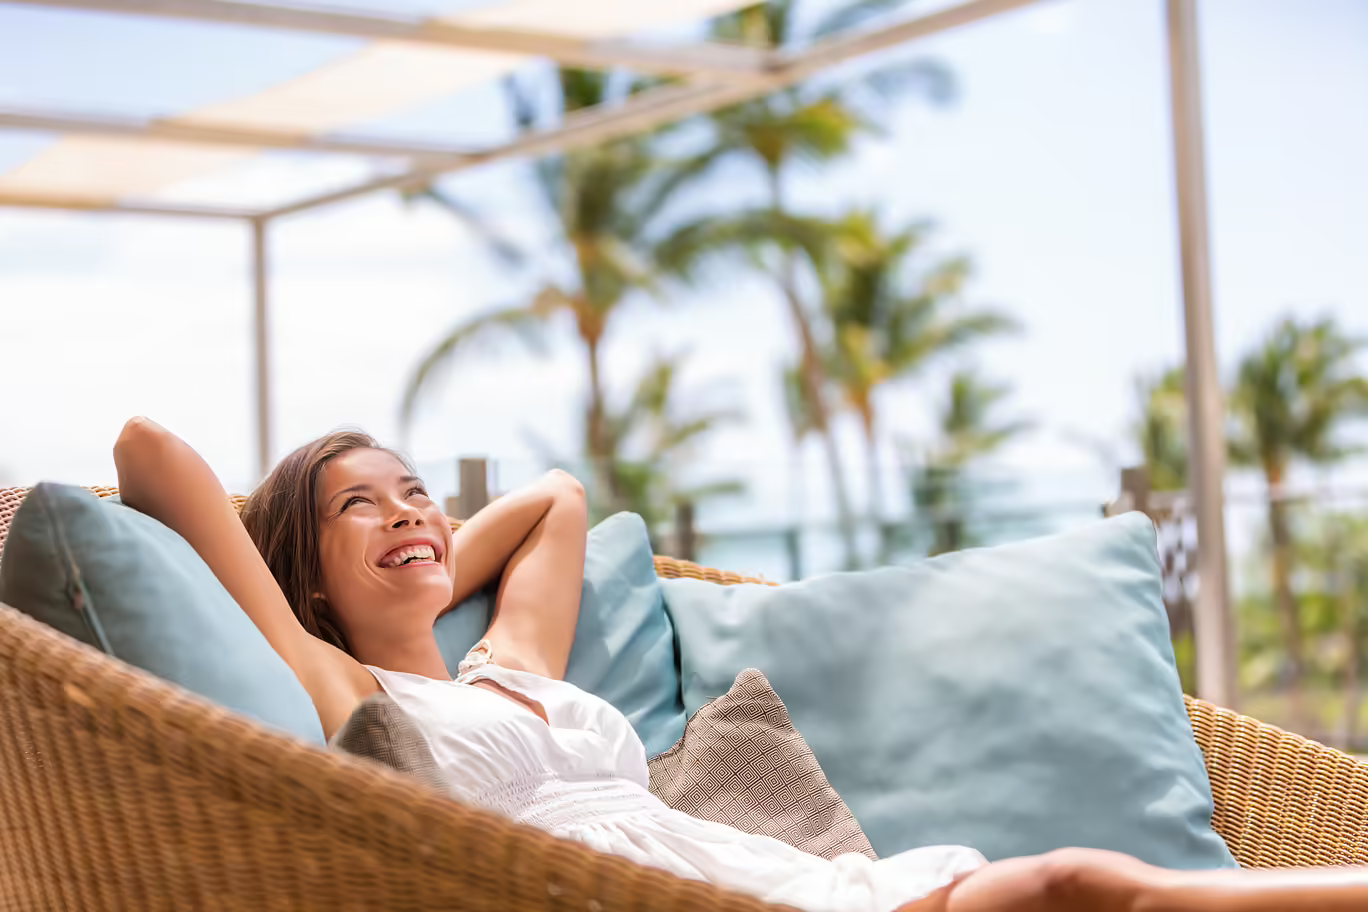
pixel 952 525
pixel 601 453
pixel 1289 615
pixel 1350 581
pixel 940 503
pixel 875 480
pixel 813 378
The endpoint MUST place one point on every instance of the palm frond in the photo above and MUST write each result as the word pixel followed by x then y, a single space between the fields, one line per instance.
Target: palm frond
pixel 853 14
pixel 547 170
pixel 519 321
pixel 582 89
pixel 682 432
pixel 673 177
pixel 1160 430
pixel 967 424
pixel 504 250
pixel 693 247
pixel 798 407
pixel 764 25
pixel 930 78
pixel 1295 393
pixel 712 490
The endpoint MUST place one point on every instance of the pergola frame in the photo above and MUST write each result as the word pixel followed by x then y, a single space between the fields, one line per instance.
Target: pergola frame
pixel 709 76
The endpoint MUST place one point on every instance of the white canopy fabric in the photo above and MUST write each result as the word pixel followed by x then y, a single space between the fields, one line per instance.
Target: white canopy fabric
pixel 382 78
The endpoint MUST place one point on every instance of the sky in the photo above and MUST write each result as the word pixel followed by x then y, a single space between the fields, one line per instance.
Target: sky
pixel 1051 169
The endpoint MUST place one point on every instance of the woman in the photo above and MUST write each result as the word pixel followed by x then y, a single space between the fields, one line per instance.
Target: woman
pixel 344 563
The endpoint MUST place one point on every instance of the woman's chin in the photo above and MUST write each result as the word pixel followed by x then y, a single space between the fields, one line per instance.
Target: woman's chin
pixel 424 584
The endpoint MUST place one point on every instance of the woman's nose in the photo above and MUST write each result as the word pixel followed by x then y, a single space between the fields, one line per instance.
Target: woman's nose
pixel 407 515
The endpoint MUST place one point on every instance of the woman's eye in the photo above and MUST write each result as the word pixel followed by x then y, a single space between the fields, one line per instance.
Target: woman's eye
pixel 421 492
pixel 350 502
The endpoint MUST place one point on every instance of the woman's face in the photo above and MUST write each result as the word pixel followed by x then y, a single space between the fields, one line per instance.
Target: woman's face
pixel 385 546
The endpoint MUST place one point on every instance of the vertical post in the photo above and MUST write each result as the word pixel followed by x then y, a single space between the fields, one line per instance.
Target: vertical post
pixel 1206 414
pixel 261 346
pixel 1135 481
pixel 473 496
pixel 686 536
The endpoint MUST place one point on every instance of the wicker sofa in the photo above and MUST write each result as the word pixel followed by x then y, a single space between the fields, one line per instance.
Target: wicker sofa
pixel 120 791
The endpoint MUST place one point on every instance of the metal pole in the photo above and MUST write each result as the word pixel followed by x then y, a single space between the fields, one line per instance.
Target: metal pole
pixel 1214 628
pixel 261 346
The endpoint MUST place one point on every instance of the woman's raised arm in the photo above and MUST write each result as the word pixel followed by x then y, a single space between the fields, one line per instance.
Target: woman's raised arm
pixel 534 540
pixel 160 475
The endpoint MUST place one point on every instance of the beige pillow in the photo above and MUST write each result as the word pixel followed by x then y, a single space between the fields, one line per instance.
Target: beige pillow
pixel 741 762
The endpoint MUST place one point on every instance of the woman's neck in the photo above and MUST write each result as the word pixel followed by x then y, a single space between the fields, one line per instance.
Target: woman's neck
pixel 416 653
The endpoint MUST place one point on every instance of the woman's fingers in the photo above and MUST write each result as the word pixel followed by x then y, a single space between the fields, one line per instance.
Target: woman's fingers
pixel 1072 880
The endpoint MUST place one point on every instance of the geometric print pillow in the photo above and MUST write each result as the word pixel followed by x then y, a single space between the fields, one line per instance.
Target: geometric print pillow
pixel 379 730
pixel 741 762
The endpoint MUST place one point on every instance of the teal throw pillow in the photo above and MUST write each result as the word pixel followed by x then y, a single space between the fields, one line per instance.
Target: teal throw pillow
pixel 1014 699
pixel 624 644
pixel 122 582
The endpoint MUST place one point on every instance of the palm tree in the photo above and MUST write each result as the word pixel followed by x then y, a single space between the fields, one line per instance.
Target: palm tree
pixel 607 203
pixel 967 430
pixel 1160 431
pixel 1292 398
pixel 653 433
pixel 808 124
pixel 888 322
pixel 1336 555
pixel 1349 558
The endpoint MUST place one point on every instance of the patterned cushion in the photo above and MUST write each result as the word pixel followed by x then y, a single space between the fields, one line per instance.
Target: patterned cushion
pixel 378 729
pixel 741 762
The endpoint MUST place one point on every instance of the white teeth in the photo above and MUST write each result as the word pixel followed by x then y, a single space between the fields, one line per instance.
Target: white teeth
pixel 419 552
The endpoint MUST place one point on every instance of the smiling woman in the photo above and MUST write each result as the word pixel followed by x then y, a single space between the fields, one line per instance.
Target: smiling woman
pixel 344 563
pixel 349 534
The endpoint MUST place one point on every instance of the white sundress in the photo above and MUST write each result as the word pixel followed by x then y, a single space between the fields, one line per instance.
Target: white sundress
pixel 583 777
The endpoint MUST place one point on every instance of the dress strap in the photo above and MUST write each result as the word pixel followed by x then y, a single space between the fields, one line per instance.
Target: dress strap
pixel 480 655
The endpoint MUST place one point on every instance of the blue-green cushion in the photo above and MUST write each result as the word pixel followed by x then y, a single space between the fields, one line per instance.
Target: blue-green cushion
pixel 124 583
pixel 1014 699
pixel 624 644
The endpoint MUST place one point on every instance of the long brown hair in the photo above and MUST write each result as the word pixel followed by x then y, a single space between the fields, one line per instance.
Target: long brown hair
pixel 281 516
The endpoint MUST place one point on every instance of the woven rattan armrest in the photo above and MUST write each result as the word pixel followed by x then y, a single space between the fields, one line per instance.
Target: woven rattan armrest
pixel 1281 799
pixel 120 791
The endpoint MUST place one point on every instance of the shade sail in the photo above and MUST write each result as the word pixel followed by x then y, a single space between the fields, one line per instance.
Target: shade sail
pixel 380 79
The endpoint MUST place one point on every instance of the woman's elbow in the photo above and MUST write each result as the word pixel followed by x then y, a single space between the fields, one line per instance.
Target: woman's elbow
pixel 564 487
pixel 140 446
pixel 138 434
